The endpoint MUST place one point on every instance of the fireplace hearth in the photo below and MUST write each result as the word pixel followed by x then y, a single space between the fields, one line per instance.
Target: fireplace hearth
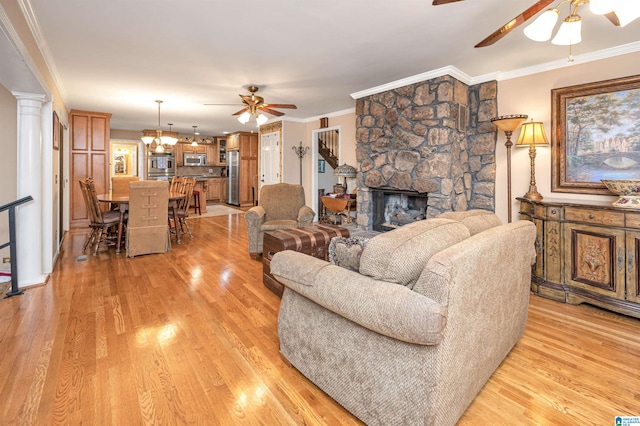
pixel 393 208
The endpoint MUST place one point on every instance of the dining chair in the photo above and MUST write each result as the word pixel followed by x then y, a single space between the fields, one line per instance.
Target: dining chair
pixel 120 184
pixel 148 229
pixel 182 209
pixel 100 222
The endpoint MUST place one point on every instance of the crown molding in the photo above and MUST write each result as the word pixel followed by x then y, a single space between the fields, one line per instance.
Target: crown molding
pixel 34 26
pixel 15 42
pixel 448 70
pixel 501 75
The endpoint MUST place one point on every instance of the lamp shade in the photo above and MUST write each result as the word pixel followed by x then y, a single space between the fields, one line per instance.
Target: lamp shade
pixel 542 27
pixel 346 171
pixel 508 123
pixel 532 133
pixel 569 32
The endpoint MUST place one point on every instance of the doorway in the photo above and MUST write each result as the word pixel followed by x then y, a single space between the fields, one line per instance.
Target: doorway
pixel 323 179
pixel 124 159
pixel 269 159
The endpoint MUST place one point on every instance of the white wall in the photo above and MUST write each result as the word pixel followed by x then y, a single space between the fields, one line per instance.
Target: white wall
pixel 8 165
pixel 531 95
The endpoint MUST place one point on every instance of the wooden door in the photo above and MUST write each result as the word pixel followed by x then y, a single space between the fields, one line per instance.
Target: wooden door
pixel 90 134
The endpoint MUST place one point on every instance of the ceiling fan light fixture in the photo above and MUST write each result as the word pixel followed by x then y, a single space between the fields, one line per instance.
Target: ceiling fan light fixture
pixel 569 32
pixel 627 11
pixel 542 27
pixel 602 7
pixel 261 119
pixel 244 117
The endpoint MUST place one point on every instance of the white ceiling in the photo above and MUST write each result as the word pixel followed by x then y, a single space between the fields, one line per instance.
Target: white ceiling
pixel 119 56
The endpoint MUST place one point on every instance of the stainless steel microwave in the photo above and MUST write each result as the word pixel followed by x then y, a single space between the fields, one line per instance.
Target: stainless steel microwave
pixel 195 159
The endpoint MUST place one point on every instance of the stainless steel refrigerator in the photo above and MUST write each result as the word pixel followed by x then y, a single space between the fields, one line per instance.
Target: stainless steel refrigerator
pixel 233 180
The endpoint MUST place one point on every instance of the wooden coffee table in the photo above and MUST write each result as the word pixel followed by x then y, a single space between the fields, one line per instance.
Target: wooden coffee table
pixel 312 240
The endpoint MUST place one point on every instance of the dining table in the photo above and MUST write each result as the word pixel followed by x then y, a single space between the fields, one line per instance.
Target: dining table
pixel 122 200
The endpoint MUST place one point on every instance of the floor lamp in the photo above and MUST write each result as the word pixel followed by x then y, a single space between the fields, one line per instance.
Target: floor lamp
pixel 509 123
pixel 532 134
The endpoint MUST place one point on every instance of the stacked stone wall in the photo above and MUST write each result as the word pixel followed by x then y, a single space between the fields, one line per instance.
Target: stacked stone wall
pixel 411 138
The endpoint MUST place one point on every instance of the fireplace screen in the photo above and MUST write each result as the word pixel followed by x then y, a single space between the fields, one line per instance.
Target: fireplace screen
pixel 392 209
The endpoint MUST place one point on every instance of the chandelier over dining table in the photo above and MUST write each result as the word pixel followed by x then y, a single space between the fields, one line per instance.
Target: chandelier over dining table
pixel 158 136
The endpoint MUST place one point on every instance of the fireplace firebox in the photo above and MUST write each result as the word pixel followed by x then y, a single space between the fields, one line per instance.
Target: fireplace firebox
pixel 395 208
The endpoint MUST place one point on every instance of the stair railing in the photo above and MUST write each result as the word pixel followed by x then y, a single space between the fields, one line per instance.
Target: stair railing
pixel 12 243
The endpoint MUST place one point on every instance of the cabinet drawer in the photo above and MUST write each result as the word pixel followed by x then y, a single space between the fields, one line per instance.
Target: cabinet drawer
pixel 633 220
pixel 600 217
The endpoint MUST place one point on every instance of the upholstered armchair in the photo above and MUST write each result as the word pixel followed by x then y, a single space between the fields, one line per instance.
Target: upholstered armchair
pixel 281 206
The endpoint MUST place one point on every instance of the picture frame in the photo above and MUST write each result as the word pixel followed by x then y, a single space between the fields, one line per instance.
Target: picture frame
pixel 595 135
pixel 56 131
pixel 321 166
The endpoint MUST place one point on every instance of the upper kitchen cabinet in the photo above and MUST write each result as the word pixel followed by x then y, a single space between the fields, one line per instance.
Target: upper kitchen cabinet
pixel 233 142
pixel 177 154
pixel 198 149
pixel 221 145
pixel 90 134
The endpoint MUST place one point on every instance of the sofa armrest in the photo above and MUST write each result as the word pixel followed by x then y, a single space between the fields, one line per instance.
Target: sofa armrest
pixel 386 308
pixel 305 216
pixel 255 215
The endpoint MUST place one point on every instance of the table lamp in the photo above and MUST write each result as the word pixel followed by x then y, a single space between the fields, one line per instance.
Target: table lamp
pixel 532 134
pixel 345 171
pixel 509 123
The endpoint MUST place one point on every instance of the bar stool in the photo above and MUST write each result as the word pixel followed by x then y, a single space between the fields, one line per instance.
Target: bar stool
pixel 196 203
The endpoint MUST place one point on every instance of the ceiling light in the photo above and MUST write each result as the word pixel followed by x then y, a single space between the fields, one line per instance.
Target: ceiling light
pixel 261 119
pixel 157 136
pixel 244 117
pixel 569 32
pixel 194 142
pixel 602 7
pixel 542 27
pixel 627 11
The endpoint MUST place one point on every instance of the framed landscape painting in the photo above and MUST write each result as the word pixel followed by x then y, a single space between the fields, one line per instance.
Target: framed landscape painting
pixel 596 135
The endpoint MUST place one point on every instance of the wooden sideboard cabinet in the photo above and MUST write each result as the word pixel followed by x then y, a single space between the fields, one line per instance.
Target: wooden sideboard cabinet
pixel 587 252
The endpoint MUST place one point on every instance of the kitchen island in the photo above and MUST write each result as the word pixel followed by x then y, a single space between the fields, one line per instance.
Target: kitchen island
pixel 211 189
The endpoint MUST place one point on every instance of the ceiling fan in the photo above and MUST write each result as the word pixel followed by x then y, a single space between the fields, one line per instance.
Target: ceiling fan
pixel 254 103
pixel 523 17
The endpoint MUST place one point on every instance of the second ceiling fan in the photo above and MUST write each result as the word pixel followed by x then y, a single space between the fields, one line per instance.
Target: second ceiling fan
pixel 525 16
pixel 253 104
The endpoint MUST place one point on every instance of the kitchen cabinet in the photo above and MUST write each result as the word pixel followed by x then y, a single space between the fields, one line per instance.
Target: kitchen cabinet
pixel 233 142
pixel 212 153
pixel 177 154
pixel 221 145
pixel 198 149
pixel 586 253
pixel 89 155
pixel 248 168
pixel 217 190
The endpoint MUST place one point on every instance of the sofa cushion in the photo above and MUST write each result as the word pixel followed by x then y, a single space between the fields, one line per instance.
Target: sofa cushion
pixel 346 252
pixel 475 220
pixel 400 255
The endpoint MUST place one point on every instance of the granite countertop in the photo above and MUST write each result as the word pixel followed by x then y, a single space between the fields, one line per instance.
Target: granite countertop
pixel 204 177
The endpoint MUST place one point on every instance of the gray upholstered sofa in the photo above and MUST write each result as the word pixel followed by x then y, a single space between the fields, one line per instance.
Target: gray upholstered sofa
pixel 412 336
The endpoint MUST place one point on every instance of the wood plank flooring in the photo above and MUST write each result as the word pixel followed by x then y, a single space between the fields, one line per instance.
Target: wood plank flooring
pixel 190 338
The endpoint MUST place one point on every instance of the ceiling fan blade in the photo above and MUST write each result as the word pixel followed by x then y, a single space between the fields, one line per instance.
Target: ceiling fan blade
pixel 611 16
pixel 439 2
pixel 288 106
pixel 241 111
pixel 514 23
pixel 270 111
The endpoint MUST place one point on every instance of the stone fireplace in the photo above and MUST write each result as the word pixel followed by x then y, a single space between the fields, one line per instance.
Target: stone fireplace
pixel 433 140
pixel 392 208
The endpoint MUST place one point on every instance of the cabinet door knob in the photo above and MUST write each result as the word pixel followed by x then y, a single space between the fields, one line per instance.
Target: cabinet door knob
pixel 591 216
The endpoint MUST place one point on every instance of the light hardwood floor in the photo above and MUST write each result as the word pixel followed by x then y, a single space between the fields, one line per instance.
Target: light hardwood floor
pixel 190 337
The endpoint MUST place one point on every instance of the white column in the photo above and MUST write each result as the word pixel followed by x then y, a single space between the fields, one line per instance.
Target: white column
pixel 29 219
